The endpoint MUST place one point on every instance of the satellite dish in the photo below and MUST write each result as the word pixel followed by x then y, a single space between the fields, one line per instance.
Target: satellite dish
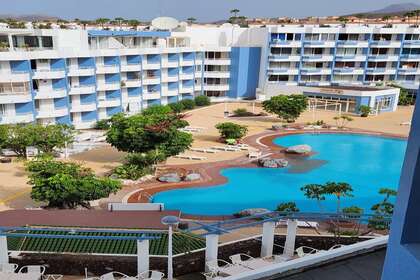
pixel 165 23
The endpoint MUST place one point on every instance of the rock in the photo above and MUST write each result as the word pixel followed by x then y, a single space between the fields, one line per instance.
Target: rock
pixel 299 149
pixel 277 127
pixel 170 178
pixel 252 211
pixel 192 177
pixel 273 163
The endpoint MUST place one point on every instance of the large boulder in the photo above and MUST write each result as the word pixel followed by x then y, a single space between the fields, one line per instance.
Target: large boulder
pixel 273 163
pixel 299 149
pixel 192 177
pixel 170 178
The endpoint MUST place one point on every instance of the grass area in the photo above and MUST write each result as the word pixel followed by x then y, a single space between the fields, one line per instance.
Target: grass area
pixel 182 243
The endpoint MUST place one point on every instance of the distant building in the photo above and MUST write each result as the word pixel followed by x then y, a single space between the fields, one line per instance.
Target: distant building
pixel 80 76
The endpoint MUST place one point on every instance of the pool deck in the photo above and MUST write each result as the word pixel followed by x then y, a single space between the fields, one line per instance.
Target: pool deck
pixel 211 172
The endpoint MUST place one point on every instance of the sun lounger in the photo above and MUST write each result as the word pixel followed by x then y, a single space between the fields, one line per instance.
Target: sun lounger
pixel 254 154
pixel 248 261
pixel 35 269
pixel 114 276
pixel 305 251
pixel 212 276
pixel 151 275
pixel 190 157
pixel 204 150
pixel 226 148
pixel 226 268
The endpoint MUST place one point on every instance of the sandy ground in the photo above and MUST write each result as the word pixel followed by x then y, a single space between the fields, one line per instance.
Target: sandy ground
pixel 14 190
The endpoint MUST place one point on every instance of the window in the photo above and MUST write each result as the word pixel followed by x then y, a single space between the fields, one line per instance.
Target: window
pixel 2 109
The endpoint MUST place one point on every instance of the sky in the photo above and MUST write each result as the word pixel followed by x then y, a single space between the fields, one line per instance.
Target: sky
pixel 203 10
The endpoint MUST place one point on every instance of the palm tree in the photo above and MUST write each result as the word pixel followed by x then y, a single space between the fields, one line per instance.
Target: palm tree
pixel 409 15
pixel 386 18
pixel 387 192
pixel 191 20
pixel 102 21
pixel 340 190
pixel 343 20
pixel 235 12
pixel 120 20
pixel 314 191
pixel 133 23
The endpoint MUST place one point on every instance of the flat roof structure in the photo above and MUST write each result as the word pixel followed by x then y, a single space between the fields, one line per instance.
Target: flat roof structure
pixel 83 218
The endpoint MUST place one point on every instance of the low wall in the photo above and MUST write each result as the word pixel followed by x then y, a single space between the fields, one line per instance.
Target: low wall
pixel 75 264
pixel 135 206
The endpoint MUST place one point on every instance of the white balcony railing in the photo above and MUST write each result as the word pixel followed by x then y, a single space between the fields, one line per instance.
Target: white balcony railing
pixel 56 112
pixel 49 93
pixel 18 118
pixel 49 74
pixel 87 89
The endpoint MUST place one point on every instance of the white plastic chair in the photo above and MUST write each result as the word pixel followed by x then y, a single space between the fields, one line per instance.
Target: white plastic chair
pixel 309 251
pixel 151 275
pixel 52 277
pixel 214 266
pixel 8 267
pixel 212 276
pixel 248 261
pixel 32 269
pixel 112 275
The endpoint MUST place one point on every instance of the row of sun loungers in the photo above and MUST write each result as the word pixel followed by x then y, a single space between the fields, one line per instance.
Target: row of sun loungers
pixel 204 150
pixel 29 272
pixel 218 269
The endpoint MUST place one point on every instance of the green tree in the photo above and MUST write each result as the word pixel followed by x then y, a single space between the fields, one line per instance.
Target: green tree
pixel 229 130
pixel 383 209
pixel 53 137
pixel 343 20
pixel 18 137
pixel 286 107
pixel 149 131
pixel 66 184
pixel 314 191
pixel 340 190
pixel 289 207
pixel 364 110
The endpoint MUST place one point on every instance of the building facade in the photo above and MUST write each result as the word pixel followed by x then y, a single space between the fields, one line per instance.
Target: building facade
pixel 82 76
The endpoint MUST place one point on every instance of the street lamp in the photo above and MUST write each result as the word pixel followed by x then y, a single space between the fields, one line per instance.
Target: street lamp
pixel 170 221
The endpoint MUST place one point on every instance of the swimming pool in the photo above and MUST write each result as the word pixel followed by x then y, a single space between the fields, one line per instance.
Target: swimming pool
pixel 368 163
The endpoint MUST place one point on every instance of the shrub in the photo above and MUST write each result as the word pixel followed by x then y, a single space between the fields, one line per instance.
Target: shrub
pixel 188 104
pixel 103 125
pixel 364 110
pixel 202 100
pixel 242 112
pixel 229 130
pixel 131 171
pixel 157 110
pixel 176 107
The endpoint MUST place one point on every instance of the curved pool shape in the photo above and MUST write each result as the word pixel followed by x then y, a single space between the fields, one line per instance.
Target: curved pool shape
pixel 368 163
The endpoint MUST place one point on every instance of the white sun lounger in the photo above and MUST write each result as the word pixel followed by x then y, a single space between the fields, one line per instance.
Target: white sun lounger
pixel 204 150
pixel 226 268
pixel 226 148
pixel 248 261
pixel 190 157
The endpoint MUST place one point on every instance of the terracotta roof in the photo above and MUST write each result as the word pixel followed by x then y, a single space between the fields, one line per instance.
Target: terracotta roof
pixel 85 218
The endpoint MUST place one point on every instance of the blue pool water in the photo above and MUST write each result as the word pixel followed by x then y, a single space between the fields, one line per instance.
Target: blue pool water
pixel 368 163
